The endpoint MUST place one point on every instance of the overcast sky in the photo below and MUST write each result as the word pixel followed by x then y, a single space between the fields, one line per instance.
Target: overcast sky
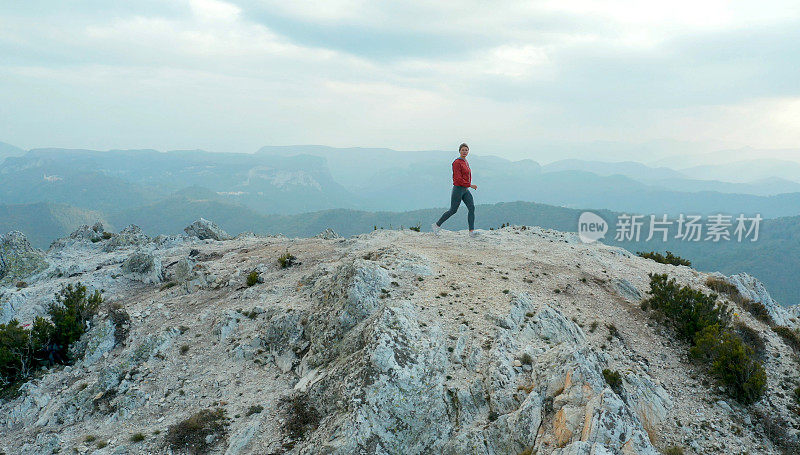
pixel 601 79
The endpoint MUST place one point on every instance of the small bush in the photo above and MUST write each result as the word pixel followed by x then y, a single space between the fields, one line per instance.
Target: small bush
pixel 725 287
pixel 758 310
pixel 137 437
pixel 300 416
pixel 47 341
pixel 613 379
pixel 673 450
pixel 70 314
pixel 255 410
pixel 21 284
pixel 669 259
pixel 286 260
pixel 184 349
pixel 689 311
pixel 16 356
pixel 121 320
pixel 168 285
pixel 703 322
pixel 776 429
pixel 191 433
pixel 791 337
pixel 797 396
pixel 732 362
pixel 415 228
pixel 751 338
pixel 526 359
pixel 107 235
pixel 252 279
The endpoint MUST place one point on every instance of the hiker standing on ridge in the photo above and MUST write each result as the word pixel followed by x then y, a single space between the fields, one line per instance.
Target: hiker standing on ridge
pixel 462 182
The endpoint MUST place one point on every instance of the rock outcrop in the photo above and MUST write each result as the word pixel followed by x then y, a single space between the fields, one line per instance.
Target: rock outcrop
pixel 132 235
pixel 394 342
pixel 18 259
pixel 205 229
pixel 751 288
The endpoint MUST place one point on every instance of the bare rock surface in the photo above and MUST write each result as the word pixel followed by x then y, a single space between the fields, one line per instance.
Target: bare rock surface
pixel 393 342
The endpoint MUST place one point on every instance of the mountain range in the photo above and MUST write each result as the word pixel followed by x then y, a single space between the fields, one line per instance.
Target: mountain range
pixel 302 190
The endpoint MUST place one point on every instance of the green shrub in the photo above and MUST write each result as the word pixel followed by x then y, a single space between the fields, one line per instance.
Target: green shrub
pixel 252 279
pixel 725 287
pixel 300 416
pixel 669 259
pixel 791 337
pixel 732 363
pixel 70 314
pixel 286 260
pixel 673 450
pixel 168 285
pixel 688 311
pixel 47 341
pixel 121 320
pixel 415 228
pixel 613 332
pixel 137 437
pixel 703 322
pixel 613 379
pixel 16 356
pixel 752 338
pixel 778 431
pixel 191 434
pixel 256 409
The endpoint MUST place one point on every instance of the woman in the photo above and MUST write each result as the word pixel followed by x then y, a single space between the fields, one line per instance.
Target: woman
pixel 462 182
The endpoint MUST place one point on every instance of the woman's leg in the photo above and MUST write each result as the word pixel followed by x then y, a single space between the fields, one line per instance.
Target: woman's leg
pixel 455 201
pixel 471 207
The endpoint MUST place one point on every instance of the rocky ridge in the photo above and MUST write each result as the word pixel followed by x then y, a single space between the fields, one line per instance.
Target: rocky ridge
pixel 394 342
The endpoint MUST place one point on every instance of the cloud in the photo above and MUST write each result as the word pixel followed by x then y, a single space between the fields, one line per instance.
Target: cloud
pixel 239 74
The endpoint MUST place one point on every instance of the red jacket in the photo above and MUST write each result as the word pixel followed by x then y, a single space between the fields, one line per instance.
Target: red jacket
pixel 462 175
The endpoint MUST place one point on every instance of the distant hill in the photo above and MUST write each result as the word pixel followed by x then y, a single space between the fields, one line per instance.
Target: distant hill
pixel 775 258
pixel 668 179
pixel 44 222
pixel 7 150
pixel 630 169
pixel 126 178
pixel 384 179
pixel 746 171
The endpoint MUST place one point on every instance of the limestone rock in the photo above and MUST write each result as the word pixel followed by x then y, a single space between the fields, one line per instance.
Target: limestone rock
pixel 205 229
pixel 143 266
pixel 132 235
pixel 753 289
pixel 96 342
pixel 18 259
pixel 327 234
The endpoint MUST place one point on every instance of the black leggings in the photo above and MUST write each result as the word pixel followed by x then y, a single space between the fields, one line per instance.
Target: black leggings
pixel 460 193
